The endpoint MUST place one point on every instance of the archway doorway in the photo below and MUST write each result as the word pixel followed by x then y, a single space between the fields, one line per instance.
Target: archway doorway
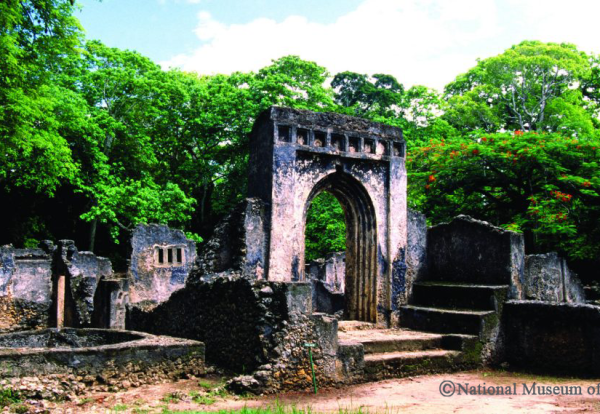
pixel 360 281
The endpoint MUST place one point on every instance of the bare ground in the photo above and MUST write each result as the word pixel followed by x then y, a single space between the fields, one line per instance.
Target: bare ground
pixel 407 395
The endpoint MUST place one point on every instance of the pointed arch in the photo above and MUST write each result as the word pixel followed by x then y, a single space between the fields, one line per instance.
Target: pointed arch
pixel 361 243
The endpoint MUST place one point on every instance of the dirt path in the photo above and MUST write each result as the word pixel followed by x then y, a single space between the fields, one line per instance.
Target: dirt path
pixel 408 395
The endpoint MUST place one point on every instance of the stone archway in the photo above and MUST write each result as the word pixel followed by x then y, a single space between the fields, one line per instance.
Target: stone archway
pixel 294 155
pixel 361 243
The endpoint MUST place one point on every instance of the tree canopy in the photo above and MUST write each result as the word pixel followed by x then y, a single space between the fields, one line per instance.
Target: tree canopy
pixel 95 140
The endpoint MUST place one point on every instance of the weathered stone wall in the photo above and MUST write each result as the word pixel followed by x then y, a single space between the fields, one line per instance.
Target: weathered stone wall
pixel 416 252
pixel 548 278
pixel 295 155
pixel 63 372
pixel 83 270
pixel 327 276
pixel 552 338
pixel 25 288
pixel 28 279
pixel 238 243
pixel 161 260
pixel 474 251
pixel 233 316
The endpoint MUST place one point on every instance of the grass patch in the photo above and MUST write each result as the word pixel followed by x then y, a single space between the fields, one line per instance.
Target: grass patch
pixel 9 397
pixel 173 397
pixel 119 408
pixel 204 399
pixel 278 408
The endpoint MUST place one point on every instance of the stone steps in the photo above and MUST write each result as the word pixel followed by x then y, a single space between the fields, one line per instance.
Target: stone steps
pixel 402 364
pixel 346 326
pixel 440 320
pixel 389 353
pixel 458 295
pixel 391 340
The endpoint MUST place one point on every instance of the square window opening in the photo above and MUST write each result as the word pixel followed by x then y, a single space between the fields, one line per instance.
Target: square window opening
pixel 338 142
pixel 284 133
pixel 369 147
pixel 353 144
pixel 320 139
pixel 398 149
pixel 302 136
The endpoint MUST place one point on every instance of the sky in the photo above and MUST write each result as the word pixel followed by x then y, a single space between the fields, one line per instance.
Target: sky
pixel 420 42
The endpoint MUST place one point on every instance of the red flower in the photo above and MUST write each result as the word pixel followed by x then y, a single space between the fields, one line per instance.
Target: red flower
pixel 431 178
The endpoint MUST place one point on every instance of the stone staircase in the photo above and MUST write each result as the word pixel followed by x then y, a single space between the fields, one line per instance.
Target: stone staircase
pixel 392 353
pixel 444 328
pixel 454 308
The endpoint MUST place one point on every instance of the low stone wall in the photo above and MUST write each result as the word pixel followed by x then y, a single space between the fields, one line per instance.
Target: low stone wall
pixel 64 372
pixel 255 328
pixel 474 251
pixel 552 338
pixel 549 279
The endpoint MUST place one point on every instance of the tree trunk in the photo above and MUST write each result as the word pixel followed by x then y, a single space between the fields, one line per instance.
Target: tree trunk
pixel 93 227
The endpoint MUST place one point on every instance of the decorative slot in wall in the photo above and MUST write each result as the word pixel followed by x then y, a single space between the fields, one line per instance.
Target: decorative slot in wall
pixel 284 133
pixel 320 139
pixel 338 142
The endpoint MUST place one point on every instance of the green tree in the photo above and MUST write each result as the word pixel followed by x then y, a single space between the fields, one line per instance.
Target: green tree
pixel 325 227
pixel 529 87
pixel 547 185
pixel 368 97
pixel 121 174
pixel 37 39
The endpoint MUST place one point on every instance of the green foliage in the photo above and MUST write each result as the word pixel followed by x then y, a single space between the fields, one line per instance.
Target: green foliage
pixel 528 87
pixel 37 37
pixel 325 227
pixel 546 185
pixel 9 397
pixel 106 137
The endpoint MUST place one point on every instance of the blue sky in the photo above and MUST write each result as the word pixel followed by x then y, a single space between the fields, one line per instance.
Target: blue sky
pixel 425 42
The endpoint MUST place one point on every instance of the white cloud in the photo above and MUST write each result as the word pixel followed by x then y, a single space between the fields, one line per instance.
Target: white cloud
pixel 419 41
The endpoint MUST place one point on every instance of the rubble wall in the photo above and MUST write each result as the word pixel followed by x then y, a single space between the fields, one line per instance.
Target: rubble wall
pixel 560 338
pixel 548 278
pixel 25 288
pixel 473 251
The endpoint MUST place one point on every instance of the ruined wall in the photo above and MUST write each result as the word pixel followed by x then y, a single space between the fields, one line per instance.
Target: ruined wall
pixel 250 326
pixel 25 288
pixel 327 277
pixel 416 252
pixel 234 317
pixel 84 270
pixel 239 243
pixel 548 278
pixel 28 285
pixel 474 251
pixel 161 260
pixel 552 338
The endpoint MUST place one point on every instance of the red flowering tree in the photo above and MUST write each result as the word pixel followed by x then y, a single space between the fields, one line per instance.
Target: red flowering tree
pixel 546 185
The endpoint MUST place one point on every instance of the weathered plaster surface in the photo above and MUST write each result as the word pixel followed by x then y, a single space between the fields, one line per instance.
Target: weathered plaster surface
pixel 151 281
pixel 295 155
